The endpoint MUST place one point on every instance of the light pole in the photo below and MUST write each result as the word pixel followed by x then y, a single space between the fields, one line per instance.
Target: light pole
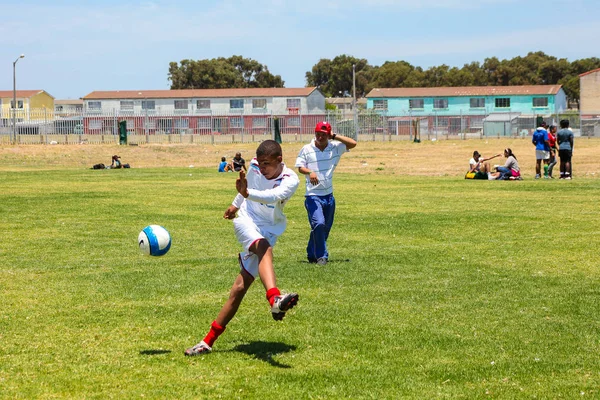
pixel 354 110
pixel 15 96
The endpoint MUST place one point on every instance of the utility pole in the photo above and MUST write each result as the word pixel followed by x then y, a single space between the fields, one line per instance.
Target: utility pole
pixel 14 107
pixel 354 110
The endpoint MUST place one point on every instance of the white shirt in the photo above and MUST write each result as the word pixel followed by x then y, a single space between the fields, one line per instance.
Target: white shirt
pixel 267 197
pixel 472 162
pixel 322 163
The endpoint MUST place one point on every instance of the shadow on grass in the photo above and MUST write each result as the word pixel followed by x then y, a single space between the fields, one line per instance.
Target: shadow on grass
pixel 154 352
pixel 330 261
pixel 265 351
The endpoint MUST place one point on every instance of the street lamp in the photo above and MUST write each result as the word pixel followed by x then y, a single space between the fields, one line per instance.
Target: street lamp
pixel 15 97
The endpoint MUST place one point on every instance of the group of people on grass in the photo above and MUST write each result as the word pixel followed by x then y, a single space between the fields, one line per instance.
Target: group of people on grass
pixel 258 220
pixel 236 164
pixel 479 167
pixel 546 141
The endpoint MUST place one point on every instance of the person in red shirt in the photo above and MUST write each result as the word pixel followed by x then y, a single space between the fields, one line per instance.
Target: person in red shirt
pixel 552 143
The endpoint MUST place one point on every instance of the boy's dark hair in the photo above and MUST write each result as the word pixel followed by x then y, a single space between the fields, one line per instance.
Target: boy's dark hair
pixel 223 159
pixel 269 148
pixel 564 123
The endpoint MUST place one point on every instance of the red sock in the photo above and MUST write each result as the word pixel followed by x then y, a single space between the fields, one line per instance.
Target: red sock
pixel 271 293
pixel 214 332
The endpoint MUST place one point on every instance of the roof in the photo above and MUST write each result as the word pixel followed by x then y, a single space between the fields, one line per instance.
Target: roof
pixel 465 91
pixel 200 93
pixel 590 72
pixel 4 94
pixel 501 117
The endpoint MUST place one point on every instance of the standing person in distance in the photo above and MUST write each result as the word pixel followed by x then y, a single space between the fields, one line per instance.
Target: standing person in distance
pixel 317 161
pixel 259 222
pixel 564 137
pixel 552 143
pixel 542 149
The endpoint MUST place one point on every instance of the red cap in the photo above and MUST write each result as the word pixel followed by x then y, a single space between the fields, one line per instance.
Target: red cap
pixel 323 127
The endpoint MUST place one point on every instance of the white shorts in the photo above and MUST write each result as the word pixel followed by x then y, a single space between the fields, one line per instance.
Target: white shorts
pixel 247 233
pixel 542 155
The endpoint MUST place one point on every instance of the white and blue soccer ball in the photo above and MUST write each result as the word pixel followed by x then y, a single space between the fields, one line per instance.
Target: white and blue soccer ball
pixel 154 240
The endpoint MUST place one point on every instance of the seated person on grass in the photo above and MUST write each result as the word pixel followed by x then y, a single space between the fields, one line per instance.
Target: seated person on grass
pixel 510 170
pixel 479 168
pixel 223 166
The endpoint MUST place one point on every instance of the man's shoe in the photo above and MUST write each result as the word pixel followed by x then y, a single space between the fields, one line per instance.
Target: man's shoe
pixel 322 261
pixel 537 176
pixel 283 303
pixel 200 348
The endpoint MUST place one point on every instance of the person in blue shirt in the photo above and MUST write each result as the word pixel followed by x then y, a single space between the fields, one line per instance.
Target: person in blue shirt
pixel 542 149
pixel 223 166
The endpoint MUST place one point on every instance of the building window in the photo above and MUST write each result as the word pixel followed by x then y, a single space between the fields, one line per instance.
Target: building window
pixel 165 125
pixel 95 124
pixel 130 124
pixel 440 103
pixel 182 123
pixel 59 108
pixel 540 102
pixel 181 104
pixel 19 104
pixel 203 104
pixel 416 104
pixel 94 105
pixel 293 122
pixel 237 122
pixel 126 105
pixel 148 104
pixel 293 103
pixel 380 104
pixel 236 104
pixel 204 123
pixel 259 122
pixel 259 103
pixel 503 102
pixel 477 103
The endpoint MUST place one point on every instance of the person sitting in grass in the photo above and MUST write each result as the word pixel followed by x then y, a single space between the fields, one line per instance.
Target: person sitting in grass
pixel 223 166
pixel 510 170
pixel 479 166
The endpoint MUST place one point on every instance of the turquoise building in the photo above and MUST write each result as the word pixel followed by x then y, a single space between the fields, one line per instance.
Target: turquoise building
pixel 499 110
pixel 453 101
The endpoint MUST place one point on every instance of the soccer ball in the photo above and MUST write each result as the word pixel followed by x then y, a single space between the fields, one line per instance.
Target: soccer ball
pixel 154 240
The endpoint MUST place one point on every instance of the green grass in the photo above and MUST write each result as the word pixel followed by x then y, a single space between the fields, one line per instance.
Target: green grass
pixel 437 288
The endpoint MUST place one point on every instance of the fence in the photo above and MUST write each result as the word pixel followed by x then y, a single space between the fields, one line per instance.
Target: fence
pixel 41 126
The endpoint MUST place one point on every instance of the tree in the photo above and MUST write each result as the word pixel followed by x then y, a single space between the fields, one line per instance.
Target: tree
pixel 334 77
pixel 221 73
pixel 391 74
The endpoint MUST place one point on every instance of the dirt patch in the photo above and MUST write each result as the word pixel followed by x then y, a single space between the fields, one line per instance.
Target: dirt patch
pixel 439 158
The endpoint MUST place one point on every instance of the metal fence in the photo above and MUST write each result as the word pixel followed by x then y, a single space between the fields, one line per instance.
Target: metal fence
pixel 43 126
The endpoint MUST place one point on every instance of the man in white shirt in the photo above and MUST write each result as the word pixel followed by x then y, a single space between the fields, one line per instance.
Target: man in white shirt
pixel 260 221
pixel 317 161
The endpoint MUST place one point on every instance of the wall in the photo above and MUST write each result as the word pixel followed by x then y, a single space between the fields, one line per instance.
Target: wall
pixel 460 105
pixel 590 93
pixel 275 105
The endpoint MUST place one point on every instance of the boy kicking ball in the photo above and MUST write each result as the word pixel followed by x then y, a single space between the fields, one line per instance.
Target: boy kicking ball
pixel 259 222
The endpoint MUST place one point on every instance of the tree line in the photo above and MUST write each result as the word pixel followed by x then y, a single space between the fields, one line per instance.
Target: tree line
pixel 334 76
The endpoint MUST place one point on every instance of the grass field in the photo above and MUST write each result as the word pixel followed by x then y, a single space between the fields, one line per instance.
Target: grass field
pixel 437 287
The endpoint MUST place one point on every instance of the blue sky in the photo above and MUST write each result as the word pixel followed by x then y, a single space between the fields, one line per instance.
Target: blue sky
pixel 75 47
